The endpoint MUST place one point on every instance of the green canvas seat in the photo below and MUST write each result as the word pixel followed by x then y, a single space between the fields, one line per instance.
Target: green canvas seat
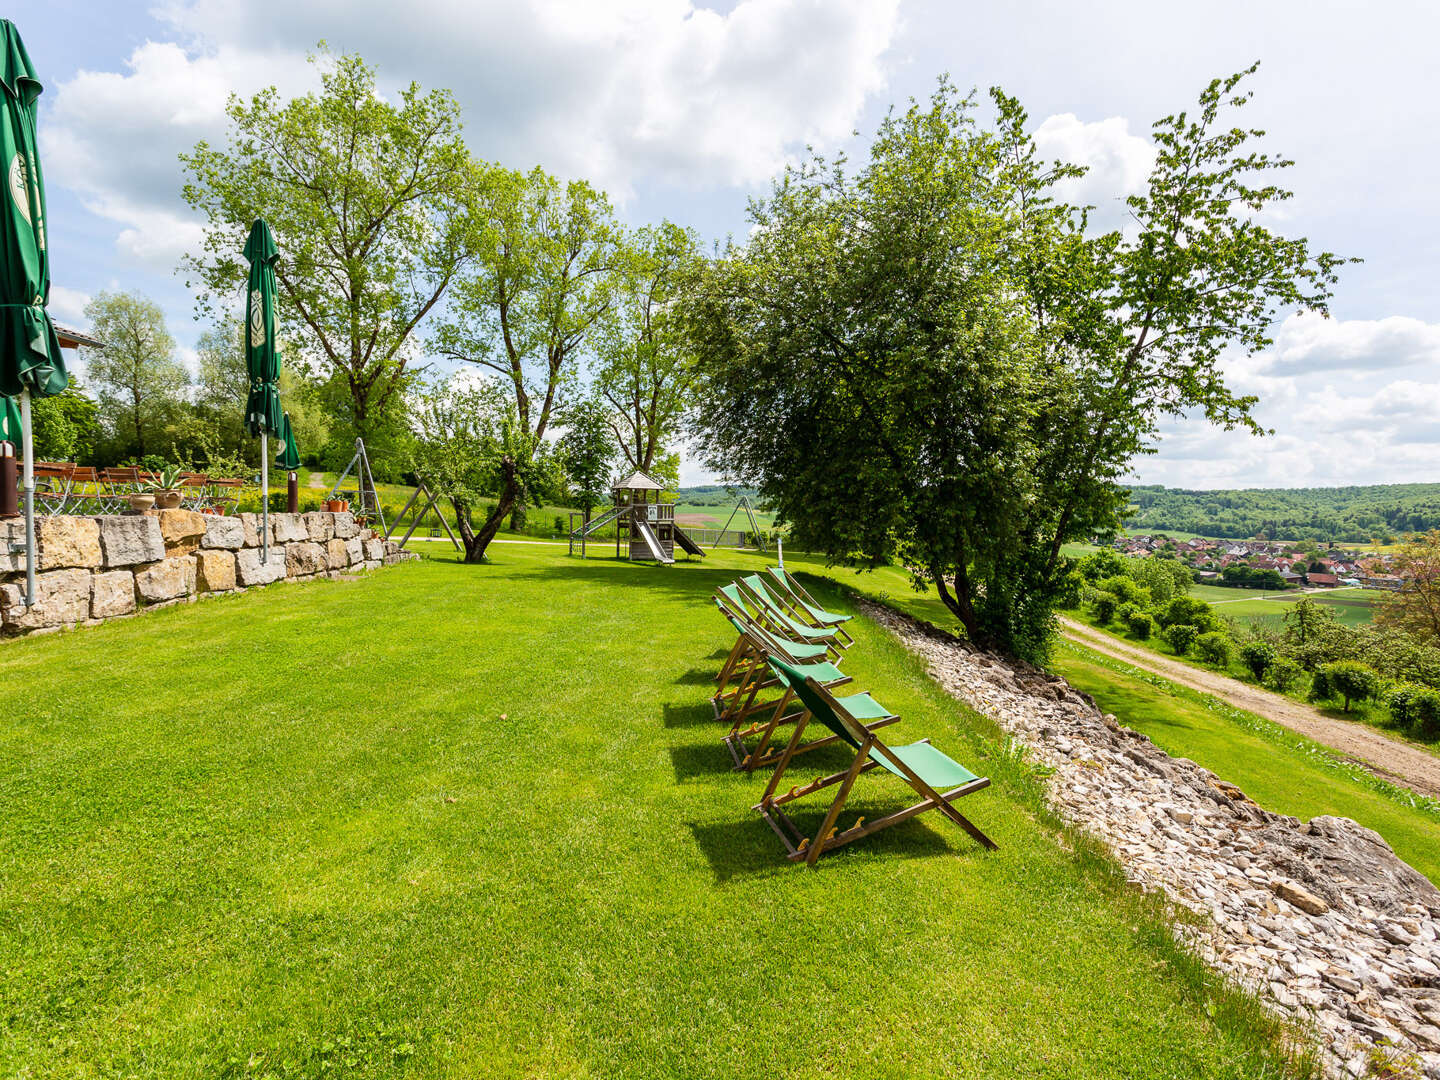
pixel 794 589
pixel 752 717
pixel 926 769
pixel 754 587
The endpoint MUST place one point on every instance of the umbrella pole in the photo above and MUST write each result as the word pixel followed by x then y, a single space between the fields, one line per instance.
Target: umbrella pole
pixel 264 501
pixel 28 448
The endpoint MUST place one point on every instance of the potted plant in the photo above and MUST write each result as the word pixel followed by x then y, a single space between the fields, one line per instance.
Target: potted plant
pixel 140 500
pixel 167 488
pixel 337 506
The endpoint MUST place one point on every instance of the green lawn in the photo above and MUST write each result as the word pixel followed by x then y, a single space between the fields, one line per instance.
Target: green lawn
pixel 452 821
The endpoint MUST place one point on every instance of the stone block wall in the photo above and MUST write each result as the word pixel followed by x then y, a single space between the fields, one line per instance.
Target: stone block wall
pixel 89 569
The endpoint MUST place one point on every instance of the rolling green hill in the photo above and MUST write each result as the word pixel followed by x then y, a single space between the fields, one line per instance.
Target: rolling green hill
pixel 1350 514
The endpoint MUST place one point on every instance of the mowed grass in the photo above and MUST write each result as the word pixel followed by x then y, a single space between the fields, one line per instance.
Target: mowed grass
pixel 455 821
pixel 1244 750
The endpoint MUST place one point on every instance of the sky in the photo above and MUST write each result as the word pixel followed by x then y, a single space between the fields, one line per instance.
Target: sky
pixel 685 111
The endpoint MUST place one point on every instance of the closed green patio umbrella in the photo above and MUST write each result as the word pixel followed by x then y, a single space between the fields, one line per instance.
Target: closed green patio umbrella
pixel 289 456
pixel 30 359
pixel 263 415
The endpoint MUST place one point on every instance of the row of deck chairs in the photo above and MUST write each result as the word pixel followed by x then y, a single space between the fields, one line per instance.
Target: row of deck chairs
pixel 784 672
pixel 62 487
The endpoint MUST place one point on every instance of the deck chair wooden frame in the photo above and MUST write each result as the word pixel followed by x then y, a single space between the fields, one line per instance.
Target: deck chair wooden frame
pixel 774 713
pixel 804 605
pixel 870 753
pixel 743 658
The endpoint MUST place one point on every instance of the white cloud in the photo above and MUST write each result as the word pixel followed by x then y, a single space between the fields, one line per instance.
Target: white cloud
pixel 1335 422
pixel 1306 344
pixel 617 91
pixel 1118 163
pixel 67 306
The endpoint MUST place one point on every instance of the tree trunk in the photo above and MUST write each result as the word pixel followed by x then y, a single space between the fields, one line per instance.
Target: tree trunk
pixel 518 513
pixel 476 543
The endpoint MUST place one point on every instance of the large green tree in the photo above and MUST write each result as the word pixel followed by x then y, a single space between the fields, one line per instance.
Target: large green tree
pixel 526 308
pixel 66 425
pixel 364 194
pixel 934 358
pixel 139 382
pixel 588 450
pixel 646 368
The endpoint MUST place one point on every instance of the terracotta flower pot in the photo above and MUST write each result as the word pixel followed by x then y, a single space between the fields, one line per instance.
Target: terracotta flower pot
pixel 141 502
pixel 168 500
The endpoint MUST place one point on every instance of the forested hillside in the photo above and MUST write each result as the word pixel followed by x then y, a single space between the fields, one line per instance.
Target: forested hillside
pixel 1357 514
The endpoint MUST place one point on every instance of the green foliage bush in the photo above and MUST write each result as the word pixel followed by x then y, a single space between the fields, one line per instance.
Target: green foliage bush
pixel 1105 605
pixel 1126 589
pixel 1141 625
pixel 1284 674
pixel 1425 714
pixel 1257 656
pixel 1100 565
pixel 1215 648
pixel 1187 609
pixel 1180 637
pixel 1348 680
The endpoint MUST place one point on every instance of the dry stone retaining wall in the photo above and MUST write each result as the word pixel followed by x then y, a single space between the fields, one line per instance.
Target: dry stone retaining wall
pixel 1320 918
pixel 89 569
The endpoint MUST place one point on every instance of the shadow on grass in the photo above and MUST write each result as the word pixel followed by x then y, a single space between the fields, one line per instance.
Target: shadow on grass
pixel 701 759
pixel 749 848
pixel 698 715
pixel 697 677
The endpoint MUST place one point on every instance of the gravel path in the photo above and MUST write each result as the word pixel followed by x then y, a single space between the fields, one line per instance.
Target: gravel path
pixel 1398 762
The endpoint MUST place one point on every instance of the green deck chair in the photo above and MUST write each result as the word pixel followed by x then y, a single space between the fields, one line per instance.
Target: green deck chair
pixel 741 711
pixel 744 658
pixel 775 612
pixel 801 601
pixel 919 764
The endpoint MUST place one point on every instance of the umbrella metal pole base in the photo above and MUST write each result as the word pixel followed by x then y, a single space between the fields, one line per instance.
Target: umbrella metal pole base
pixel 28 449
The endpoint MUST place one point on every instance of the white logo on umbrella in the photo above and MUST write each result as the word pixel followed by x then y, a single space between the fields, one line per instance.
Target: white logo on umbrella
pixel 257 319
pixel 20 186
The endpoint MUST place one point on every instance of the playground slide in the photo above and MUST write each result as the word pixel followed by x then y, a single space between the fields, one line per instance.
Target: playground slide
pixel 683 539
pixel 648 534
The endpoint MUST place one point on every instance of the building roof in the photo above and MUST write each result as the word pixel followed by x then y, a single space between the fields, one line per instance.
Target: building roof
pixel 637 481
pixel 1322 579
pixel 73 339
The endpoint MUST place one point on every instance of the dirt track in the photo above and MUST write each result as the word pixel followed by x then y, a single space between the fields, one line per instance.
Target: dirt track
pixel 1396 761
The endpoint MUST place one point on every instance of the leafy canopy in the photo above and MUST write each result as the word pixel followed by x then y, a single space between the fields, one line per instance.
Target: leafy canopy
pixel 932 358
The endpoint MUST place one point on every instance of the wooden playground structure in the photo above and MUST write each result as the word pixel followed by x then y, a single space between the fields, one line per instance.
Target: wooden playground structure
pixel 645 528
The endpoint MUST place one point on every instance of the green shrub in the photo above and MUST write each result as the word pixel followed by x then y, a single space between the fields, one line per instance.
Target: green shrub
pixel 1187 610
pixel 1180 637
pixel 1070 589
pixel 1125 612
pixel 1141 625
pixel 1348 680
pixel 1105 604
pixel 1425 714
pixel 1284 674
pixel 1215 648
pixel 1257 656
pixel 1126 589
pixel 1400 703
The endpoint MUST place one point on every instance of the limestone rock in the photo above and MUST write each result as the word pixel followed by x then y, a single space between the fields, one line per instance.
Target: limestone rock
pixel 1302 898
pixel 11 533
pixel 354 550
pixel 130 540
pixel 344 525
pixel 66 541
pixel 214 570
pixel 253 524
pixel 319 526
pixel 168 579
pixel 304 559
pixel 374 550
pixel 112 593
pixel 226 533
pixel 181 530
pixel 251 571
pixel 285 528
pixel 62 598
pixel 337 554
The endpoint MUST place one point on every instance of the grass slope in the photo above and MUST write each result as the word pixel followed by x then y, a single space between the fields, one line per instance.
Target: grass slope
pixel 454 821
